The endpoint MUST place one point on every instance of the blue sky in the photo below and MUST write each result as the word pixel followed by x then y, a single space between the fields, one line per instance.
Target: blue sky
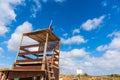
pixel 89 31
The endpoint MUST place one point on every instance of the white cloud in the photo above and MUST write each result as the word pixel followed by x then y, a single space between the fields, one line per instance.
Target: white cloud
pixel 116 34
pixel 102 48
pixel 3 30
pixel 108 63
pixel 91 24
pixel 36 8
pixel 74 39
pixel 75 53
pixel 115 43
pixel 69 58
pixel 110 59
pixel 78 53
pixel 7 13
pixel 88 64
pixel 14 41
pixel 76 31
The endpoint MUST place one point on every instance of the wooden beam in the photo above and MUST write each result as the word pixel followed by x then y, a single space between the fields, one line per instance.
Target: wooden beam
pixel 56 59
pixel 41 36
pixel 33 45
pixel 29 60
pixel 35 38
pixel 56 52
pixel 33 53
pixel 23 56
pixel 24 50
pixel 19 47
pixel 41 32
pixel 25 73
pixel 45 49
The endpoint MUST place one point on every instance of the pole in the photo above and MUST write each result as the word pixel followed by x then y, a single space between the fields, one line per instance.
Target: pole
pixel 50 23
pixel 44 54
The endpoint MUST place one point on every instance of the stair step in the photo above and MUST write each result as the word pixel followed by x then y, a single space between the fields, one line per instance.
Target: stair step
pixel 50 66
pixel 50 72
pixel 52 78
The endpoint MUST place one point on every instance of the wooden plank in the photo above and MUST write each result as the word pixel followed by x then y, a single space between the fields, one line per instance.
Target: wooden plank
pixel 28 60
pixel 56 59
pixel 42 36
pixel 29 63
pixel 32 52
pixel 36 32
pixel 56 52
pixel 45 50
pixel 24 50
pixel 25 74
pixel 36 53
pixel 36 38
pixel 52 37
pixel 41 32
pixel 33 45
pixel 55 38
pixel 27 68
pixel 23 56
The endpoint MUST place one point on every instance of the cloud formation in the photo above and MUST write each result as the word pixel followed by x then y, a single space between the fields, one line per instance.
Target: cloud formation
pixel 7 13
pixel 73 40
pixel 70 58
pixel 76 31
pixel 91 24
pixel 14 41
pixel 114 45
pixel 35 8
pixel 104 64
pixel 110 59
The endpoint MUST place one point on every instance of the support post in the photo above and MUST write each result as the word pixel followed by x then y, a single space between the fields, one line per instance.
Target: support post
pixel 19 48
pixel 44 54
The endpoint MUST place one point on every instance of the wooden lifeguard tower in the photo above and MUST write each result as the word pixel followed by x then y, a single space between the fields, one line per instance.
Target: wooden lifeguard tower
pixel 37 59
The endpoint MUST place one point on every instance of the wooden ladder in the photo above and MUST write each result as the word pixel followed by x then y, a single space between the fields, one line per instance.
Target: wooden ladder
pixel 50 71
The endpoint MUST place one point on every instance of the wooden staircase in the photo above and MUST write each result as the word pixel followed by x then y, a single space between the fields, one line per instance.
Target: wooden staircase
pixel 50 72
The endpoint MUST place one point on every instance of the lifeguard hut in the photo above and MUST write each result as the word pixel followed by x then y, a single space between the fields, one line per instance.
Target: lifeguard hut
pixel 37 58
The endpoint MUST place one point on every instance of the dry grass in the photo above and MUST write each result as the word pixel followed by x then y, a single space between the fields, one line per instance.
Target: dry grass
pixel 72 77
